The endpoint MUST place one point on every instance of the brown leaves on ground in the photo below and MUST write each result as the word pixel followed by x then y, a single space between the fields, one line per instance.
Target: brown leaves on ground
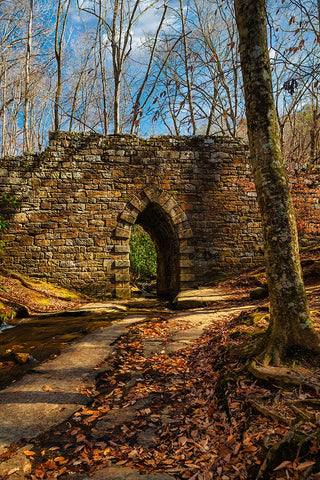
pixel 195 414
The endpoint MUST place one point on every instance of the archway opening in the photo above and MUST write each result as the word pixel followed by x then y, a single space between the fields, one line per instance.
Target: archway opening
pixel 158 224
pixel 143 259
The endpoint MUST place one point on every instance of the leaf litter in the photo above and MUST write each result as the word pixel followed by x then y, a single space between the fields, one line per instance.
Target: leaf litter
pixel 195 414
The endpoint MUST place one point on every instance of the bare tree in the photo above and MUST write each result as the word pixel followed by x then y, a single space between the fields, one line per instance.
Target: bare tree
pixel 27 106
pixel 61 22
pixel 137 107
pixel 118 26
pixel 187 67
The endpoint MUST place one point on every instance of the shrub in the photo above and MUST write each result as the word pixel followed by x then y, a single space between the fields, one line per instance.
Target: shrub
pixel 143 255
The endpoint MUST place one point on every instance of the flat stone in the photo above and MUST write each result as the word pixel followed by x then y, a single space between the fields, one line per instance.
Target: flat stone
pixel 115 418
pixel 89 309
pixel 18 466
pixel 147 438
pixel 201 297
pixel 119 473
pixel 152 346
pixel 29 407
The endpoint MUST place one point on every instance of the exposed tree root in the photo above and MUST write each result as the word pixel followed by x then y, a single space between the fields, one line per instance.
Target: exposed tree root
pixel 302 414
pixel 268 412
pixel 282 375
pixel 275 455
pixel 290 446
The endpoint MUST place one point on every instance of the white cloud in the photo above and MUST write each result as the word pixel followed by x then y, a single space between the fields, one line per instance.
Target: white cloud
pixel 147 26
pixel 272 53
pixel 79 17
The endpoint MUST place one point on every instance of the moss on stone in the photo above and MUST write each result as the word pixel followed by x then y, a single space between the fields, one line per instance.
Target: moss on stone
pixel 42 287
pixel 7 313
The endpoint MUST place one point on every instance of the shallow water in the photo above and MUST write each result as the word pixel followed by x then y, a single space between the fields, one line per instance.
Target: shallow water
pixel 46 337
pixel 5 327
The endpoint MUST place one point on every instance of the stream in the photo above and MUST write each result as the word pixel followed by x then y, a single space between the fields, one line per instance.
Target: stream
pixel 35 339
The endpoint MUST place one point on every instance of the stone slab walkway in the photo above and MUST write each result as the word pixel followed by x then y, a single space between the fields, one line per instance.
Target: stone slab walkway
pixel 204 296
pixel 57 388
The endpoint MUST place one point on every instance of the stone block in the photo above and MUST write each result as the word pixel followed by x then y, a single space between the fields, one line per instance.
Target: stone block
pixel 187 277
pixel 179 218
pixel 185 232
pixel 20 218
pixel 122 277
pixel 122 248
pixel 187 249
pixel 170 205
pixel 123 292
pixel 122 263
pixel 186 263
pixel 26 240
pixel 129 217
pixel 138 204
pixel 122 232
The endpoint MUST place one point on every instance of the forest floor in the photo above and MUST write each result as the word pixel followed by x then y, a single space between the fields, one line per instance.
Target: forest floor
pixel 175 399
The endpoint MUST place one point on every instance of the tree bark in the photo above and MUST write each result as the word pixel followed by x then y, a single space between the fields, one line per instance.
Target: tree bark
pixel 290 323
pixel 26 126
pixel 58 54
pixel 187 68
pixel 103 72
pixel 4 114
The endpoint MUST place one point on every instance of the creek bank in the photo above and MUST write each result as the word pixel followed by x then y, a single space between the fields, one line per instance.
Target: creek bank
pixel 22 297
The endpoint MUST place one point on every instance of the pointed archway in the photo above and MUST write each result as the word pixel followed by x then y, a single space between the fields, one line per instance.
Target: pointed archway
pixel 164 235
pixel 167 224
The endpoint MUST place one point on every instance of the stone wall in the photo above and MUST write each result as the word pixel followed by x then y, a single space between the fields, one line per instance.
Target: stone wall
pixel 81 196
pixel 305 188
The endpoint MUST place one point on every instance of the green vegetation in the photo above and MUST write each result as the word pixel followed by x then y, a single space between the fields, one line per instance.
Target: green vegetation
pixel 143 255
pixel 7 313
pixel 9 201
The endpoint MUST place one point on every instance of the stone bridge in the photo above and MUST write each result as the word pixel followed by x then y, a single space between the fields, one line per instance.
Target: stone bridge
pixel 79 199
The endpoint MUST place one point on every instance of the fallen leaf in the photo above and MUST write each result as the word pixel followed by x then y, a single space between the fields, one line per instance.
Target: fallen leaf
pixel 304 465
pixel 107 451
pixel 60 460
pixel 183 440
pixel 50 464
pixel 284 464
pixel 29 453
pixel 250 448
pixel 13 470
pixel 80 438
pixel 47 388
pixel 87 411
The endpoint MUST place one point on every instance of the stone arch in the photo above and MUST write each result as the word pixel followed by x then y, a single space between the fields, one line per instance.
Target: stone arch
pixel 166 222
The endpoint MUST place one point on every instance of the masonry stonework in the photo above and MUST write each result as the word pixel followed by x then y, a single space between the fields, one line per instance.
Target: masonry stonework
pixel 80 198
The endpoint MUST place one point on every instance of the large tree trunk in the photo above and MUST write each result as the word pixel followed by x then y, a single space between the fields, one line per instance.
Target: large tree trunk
pixel 290 324
pixel 187 69
pixel 61 19
pixel 27 105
